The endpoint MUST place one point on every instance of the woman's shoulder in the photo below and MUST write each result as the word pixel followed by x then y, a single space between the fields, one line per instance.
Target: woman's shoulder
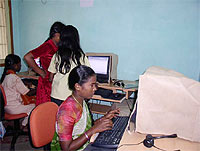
pixel 70 104
pixel 69 109
pixel 47 44
pixel 50 42
pixel 46 48
pixel 12 77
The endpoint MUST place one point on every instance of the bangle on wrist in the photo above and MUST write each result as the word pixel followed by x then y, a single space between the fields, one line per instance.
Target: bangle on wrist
pixel 87 136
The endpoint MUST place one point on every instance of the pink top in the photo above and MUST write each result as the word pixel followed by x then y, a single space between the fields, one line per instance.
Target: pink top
pixel 68 114
pixel 14 87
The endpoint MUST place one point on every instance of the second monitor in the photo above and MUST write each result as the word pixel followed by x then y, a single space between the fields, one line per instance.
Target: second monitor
pixel 104 65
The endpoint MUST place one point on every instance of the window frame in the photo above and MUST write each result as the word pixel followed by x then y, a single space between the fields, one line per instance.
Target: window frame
pixel 9 30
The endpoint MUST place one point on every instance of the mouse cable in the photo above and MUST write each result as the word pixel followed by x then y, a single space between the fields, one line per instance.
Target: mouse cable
pixel 163 149
pixel 141 143
pixel 159 148
pixel 130 144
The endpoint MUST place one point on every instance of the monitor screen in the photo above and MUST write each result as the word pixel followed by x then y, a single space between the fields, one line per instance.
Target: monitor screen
pixel 101 66
pixel 37 61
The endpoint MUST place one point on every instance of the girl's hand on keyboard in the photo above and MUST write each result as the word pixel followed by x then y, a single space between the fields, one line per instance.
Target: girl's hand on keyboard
pixel 102 125
pixel 112 113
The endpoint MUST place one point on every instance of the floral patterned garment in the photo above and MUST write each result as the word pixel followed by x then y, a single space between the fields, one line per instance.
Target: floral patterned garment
pixel 72 122
pixel 45 52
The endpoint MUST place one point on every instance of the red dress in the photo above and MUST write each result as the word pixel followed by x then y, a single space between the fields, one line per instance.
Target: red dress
pixel 45 52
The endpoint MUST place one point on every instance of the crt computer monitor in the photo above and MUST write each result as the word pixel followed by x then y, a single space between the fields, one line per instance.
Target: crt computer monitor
pixel 101 66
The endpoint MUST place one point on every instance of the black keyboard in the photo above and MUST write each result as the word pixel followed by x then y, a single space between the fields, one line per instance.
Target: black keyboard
pixel 111 138
pixel 108 94
pixel 105 93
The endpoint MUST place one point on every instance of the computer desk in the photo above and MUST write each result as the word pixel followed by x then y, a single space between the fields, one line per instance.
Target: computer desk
pixel 103 109
pixel 96 108
pixel 135 139
pixel 167 144
pixel 127 91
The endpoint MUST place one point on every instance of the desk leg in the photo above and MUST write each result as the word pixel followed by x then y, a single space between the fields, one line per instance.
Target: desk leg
pixel 133 100
pixel 128 94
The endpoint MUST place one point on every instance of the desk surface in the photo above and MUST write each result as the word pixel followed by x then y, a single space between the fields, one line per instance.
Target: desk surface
pixel 168 144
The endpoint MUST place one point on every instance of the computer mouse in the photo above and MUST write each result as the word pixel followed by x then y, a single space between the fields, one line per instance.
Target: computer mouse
pixel 116 95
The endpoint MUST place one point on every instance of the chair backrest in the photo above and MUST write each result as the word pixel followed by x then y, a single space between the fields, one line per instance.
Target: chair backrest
pixel 2 102
pixel 42 123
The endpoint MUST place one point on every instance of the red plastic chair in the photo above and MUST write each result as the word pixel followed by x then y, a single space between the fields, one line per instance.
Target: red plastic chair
pixel 11 117
pixel 42 124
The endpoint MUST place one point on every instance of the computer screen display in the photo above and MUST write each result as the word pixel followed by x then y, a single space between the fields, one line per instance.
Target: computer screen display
pixel 101 66
pixel 37 61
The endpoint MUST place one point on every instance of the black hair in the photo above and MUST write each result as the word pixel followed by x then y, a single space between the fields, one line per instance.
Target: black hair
pixel 57 27
pixel 80 75
pixel 68 49
pixel 10 60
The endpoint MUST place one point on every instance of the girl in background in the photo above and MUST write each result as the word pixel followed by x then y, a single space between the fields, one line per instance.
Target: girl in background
pixel 74 125
pixel 45 53
pixel 68 56
pixel 14 88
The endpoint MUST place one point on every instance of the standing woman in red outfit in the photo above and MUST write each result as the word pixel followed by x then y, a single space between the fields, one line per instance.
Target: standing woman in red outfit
pixel 45 53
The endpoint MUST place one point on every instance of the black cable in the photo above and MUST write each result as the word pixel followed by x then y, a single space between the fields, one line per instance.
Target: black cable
pixel 163 149
pixel 141 143
pixel 159 148
pixel 129 144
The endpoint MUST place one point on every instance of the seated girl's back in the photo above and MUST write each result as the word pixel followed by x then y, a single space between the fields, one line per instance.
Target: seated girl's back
pixel 14 88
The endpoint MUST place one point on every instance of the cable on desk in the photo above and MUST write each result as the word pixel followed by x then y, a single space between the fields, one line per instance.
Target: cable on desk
pixel 159 148
pixel 141 143
pixel 130 144
pixel 163 149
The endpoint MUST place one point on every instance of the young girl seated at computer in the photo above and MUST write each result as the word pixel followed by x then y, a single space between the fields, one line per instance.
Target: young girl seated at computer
pixel 14 88
pixel 74 125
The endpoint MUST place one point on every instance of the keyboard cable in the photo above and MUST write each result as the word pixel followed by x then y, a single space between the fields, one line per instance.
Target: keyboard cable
pixel 141 143
pixel 129 144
